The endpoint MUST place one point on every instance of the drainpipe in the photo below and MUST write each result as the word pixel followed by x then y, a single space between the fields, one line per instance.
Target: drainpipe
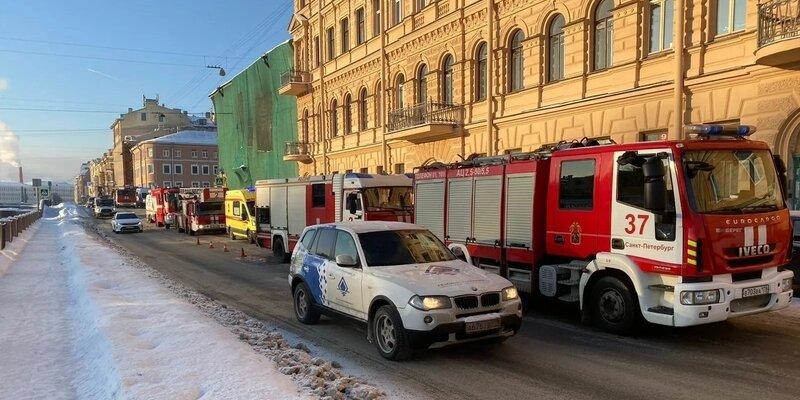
pixel 678 120
pixel 384 86
pixel 322 131
pixel 490 79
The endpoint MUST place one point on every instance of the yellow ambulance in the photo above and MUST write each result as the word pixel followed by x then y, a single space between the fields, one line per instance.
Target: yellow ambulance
pixel 240 217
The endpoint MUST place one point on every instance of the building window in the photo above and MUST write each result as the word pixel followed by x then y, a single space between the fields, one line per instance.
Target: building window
pixel 376 17
pixel 447 79
pixel 422 3
pixel 150 169
pixel 178 184
pixel 555 35
pixel 362 110
pixel 194 153
pixel 400 92
pixel 480 73
pixel 653 136
pixel 178 168
pixel 143 116
pixel 304 124
pixel 331 44
pixel 195 169
pixel 205 169
pixel 730 16
pixel 316 52
pixel 205 153
pixel 516 62
pixel 397 11
pixel 216 169
pixel 177 153
pixel 167 184
pixel 364 170
pixel 576 191
pixel 150 152
pixel 379 169
pixel 422 84
pixel 345 31
pixel 603 35
pixel 399 168
pixel 661 13
pixel 361 29
pixel 166 168
pixel 195 184
pixel 334 118
pixel 348 114
pixel 166 153
pixel 378 105
pixel 161 118
pixel 206 184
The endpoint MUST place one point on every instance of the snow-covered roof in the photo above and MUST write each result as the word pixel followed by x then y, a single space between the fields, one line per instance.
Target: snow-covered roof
pixel 187 137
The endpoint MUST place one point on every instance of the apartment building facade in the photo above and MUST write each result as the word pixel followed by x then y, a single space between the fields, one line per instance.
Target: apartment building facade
pixel 182 159
pixel 389 85
pixel 101 173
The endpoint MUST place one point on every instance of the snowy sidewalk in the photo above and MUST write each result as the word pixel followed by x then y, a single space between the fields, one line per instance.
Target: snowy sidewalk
pixel 77 322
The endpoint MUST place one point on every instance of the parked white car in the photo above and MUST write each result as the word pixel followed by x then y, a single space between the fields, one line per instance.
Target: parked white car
pixel 126 222
pixel 412 292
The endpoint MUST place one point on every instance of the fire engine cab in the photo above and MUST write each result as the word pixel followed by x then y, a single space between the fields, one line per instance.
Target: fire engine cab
pixel 284 207
pixel 679 233
pixel 201 210
pixel 163 203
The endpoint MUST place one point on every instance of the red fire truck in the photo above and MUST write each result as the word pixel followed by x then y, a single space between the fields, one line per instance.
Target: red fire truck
pixel 284 207
pixel 676 232
pixel 125 197
pixel 200 210
pixel 161 204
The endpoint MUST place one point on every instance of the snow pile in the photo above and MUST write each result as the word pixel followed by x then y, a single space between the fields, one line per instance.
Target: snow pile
pixel 319 377
pixel 77 321
pixel 65 212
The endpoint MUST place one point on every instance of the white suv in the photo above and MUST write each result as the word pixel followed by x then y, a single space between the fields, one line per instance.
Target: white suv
pixel 400 279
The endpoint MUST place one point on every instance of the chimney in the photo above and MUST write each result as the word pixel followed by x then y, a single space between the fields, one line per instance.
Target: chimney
pixel 20 175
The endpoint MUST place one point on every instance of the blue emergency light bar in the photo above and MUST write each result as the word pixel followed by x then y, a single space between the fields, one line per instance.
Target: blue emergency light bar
pixel 709 130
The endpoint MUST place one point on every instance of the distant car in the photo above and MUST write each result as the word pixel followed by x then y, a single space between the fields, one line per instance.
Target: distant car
pixel 90 203
pixel 126 222
pixel 412 292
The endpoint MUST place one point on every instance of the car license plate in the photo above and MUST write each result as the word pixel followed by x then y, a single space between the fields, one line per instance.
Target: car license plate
pixel 482 326
pixel 755 291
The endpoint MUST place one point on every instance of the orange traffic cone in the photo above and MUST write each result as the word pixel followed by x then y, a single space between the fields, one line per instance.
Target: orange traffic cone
pixel 225 248
pixel 198 241
pixel 210 245
pixel 243 255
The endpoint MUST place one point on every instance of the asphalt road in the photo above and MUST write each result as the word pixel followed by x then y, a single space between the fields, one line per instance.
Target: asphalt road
pixel 553 357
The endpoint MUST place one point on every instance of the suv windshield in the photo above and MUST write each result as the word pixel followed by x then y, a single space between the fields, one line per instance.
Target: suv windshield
pixel 388 198
pixel 732 181
pixel 402 247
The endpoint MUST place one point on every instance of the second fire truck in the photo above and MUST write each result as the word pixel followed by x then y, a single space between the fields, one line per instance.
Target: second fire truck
pixel 284 207
pixel 678 233
pixel 200 210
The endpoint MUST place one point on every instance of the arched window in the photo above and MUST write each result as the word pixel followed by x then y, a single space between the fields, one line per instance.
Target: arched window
pixel 516 62
pixel 555 59
pixel 447 79
pixel 348 114
pixel 603 35
pixel 334 118
pixel 362 109
pixel 400 92
pixel 305 126
pixel 480 72
pixel 422 84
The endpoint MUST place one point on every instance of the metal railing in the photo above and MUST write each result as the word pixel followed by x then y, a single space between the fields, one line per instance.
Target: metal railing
pixel 778 20
pixel 296 149
pixel 425 113
pixel 11 227
pixel 294 76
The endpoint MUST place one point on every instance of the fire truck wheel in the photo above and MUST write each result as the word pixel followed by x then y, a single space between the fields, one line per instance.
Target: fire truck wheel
pixel 613 306
pixel 250 237
pixel 304 305
pixel 389 335
pixel 279 251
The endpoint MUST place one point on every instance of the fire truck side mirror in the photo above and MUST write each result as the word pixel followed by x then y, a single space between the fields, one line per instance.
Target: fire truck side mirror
pixel 780 168
pixel 655 189
pixel 352 203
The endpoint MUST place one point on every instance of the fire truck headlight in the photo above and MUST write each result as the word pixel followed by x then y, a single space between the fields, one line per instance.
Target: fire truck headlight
pixel 700 297
pixel 786 284
pixel 427 303
pixel 510 293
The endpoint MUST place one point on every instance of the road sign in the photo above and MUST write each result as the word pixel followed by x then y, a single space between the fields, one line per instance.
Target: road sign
pixel 44 193
pixel 36 182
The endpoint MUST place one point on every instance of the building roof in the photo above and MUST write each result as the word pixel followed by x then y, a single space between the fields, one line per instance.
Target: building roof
pixel 202 138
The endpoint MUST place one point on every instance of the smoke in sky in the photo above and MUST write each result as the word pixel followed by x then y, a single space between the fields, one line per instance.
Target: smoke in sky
pixel 9 154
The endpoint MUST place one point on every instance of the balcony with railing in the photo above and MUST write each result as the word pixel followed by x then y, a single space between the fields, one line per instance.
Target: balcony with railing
pixel 295 82
pixel 297 151
pixel 778 32
pixel 425 122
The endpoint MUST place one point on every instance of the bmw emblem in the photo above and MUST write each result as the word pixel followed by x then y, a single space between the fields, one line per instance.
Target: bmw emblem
pixel 474 289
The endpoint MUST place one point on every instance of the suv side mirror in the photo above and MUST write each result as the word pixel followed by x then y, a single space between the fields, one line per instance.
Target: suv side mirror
pixel 655 189
pixel 346 260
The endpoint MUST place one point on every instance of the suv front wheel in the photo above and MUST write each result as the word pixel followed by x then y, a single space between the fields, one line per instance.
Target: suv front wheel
pixel 388 334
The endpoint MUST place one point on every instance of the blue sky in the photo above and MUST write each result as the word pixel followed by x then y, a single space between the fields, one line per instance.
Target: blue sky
pixel 91 89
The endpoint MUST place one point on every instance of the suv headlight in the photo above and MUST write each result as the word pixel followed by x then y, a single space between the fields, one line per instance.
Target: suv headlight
pixel 427 303
pixel 700 297
pixel 510 293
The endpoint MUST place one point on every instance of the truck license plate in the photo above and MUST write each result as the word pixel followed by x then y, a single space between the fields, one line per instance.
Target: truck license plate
pixel 482 326
pixel 755 291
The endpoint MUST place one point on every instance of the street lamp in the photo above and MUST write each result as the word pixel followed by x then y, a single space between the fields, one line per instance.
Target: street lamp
pixel 221 70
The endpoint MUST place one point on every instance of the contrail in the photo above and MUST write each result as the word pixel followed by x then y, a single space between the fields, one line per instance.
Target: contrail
pixel 103 74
